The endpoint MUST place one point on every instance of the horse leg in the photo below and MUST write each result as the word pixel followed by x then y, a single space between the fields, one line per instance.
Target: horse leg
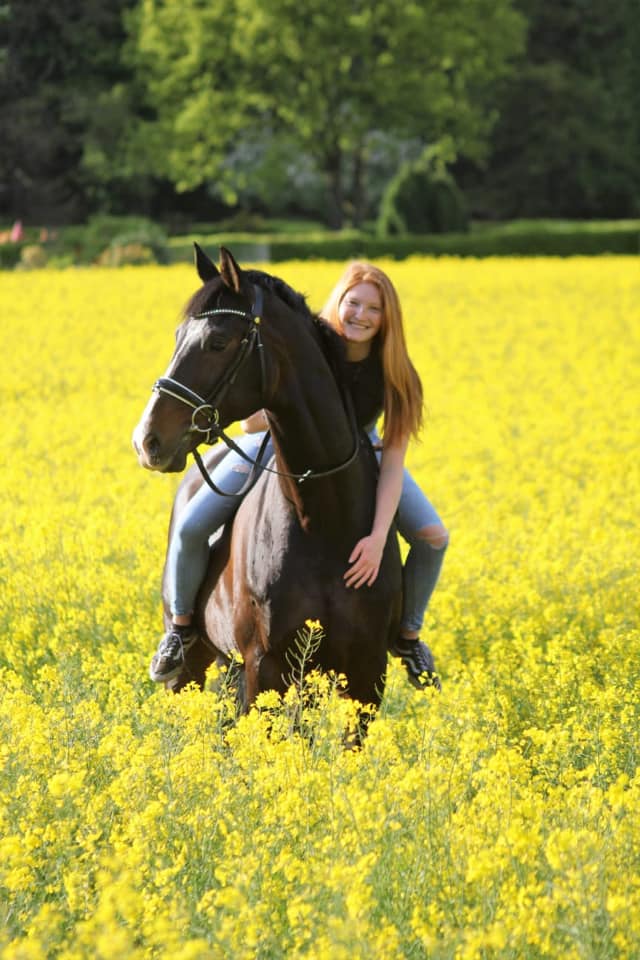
pixel 367 686
pixel 262 671
pixel 354 736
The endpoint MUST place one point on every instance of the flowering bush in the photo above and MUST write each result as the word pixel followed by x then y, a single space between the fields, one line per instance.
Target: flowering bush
pixel 496 820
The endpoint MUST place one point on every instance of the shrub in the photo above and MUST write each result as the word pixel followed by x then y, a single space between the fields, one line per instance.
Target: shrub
pixel 121 254
pixel 107 232
pixel 9 255
pixel 421 200
pixel 32 257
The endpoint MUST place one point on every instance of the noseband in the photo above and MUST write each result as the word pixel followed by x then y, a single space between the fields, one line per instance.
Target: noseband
pixel 207 407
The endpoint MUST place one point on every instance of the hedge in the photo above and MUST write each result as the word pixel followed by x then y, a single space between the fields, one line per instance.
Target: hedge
pixel 10 255
pixel 519 238
pixel 569 240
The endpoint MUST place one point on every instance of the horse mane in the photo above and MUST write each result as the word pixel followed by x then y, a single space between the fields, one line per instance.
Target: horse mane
pixel 333 347
pixel 294 300
pixel 329 341
pixel 297 301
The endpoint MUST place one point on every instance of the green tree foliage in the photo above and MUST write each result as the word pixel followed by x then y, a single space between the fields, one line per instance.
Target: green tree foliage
pixel 110 105
pixel 326 75
pixel 56 56
pixel 568 139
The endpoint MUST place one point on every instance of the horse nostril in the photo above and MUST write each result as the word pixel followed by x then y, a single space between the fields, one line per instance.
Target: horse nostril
pixel 151 445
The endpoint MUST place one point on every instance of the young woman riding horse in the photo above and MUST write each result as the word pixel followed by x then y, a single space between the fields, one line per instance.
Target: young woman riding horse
pixel 365 311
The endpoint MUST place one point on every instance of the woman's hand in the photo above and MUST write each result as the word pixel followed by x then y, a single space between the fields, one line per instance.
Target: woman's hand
pixel 256 423
pixel 365 561
pixel 367 554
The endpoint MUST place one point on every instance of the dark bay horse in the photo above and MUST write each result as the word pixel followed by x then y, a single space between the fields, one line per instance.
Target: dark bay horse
pixel 247 342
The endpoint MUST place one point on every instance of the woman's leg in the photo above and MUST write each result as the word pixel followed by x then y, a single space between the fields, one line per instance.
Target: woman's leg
pixel 427 537
pixel 188 554
pixel 419 524
pixel 422 528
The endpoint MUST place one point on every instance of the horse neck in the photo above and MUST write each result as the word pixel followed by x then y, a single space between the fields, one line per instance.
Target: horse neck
pixel 312 431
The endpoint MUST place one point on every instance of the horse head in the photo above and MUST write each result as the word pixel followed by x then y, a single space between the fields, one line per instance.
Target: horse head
pixel 215 375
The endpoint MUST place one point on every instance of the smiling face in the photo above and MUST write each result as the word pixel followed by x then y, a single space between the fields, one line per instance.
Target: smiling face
pixel 360 318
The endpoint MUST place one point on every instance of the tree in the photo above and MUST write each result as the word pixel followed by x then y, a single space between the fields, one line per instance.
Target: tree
pixel 55 58
pixel 327 75
pixel 568 139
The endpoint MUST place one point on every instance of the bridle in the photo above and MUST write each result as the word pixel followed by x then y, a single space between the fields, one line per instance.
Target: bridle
pixel 206 408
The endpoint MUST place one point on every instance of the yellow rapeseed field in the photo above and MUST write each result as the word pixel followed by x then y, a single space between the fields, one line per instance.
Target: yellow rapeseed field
pixel 500 819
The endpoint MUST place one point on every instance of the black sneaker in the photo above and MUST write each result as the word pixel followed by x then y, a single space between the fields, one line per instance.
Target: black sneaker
pixel 419 662
pixel 168 660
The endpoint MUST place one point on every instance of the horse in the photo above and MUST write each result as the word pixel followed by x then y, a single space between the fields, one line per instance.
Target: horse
pixel 248 341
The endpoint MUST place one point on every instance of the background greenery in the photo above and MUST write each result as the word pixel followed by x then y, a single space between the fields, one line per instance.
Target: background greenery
pixel 182 111
pixel 116 241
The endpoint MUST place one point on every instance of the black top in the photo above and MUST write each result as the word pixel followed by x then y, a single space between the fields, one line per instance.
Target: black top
pixel 365 380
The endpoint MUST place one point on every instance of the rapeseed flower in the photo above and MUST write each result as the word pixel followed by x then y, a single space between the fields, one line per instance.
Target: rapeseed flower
pixel 498 819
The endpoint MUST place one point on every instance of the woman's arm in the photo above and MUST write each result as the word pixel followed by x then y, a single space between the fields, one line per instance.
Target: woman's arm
pixel 256 423
pixel 367 553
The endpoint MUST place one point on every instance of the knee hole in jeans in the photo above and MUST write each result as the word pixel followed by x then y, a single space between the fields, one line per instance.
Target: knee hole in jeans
pixel 435 535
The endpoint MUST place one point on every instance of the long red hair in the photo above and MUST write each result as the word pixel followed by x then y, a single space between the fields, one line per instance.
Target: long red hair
pixel 403 399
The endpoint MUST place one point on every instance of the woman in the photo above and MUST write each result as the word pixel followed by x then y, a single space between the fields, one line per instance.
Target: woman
pixel 365 310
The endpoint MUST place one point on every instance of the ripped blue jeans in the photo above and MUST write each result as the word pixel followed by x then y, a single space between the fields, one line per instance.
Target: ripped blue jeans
pixel 188 555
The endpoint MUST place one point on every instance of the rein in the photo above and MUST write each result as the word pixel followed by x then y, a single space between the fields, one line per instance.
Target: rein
pixel 207 408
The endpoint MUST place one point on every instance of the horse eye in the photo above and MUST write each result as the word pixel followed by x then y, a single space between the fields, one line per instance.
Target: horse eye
pixel 215 341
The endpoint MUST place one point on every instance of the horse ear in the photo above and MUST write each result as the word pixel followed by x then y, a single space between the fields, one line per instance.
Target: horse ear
pixel 231 272
pixel 206 268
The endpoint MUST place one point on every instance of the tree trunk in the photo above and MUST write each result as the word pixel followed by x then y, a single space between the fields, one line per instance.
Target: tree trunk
pixel 358 187
pixel 333 171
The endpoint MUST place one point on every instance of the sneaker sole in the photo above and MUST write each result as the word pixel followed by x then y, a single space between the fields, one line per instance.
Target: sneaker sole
pixel 161 677
pixel 432 680
pixel 431 677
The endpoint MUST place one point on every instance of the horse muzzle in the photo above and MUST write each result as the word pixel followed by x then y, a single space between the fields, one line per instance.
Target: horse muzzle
pixel 153 454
